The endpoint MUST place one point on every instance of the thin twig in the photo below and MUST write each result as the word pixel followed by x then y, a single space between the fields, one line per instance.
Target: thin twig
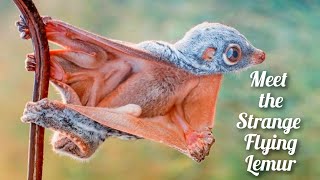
pixel 41 82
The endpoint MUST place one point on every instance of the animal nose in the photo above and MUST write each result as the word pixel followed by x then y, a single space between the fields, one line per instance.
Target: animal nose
pixel 262 56
pixel 258 56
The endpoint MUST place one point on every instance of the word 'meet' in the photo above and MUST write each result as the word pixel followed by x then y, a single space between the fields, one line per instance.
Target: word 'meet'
pixel 262 80
pixel 265 145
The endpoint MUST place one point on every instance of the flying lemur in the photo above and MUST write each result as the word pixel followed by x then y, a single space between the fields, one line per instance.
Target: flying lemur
pixel 153 90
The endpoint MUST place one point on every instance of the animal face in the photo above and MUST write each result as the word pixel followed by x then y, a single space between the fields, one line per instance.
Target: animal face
pixel 216 48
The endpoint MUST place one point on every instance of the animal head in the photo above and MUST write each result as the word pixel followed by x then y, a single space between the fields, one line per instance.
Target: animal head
pixel 211 48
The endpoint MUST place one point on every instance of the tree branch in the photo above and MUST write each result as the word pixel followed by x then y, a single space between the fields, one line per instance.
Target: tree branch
pixel 41 82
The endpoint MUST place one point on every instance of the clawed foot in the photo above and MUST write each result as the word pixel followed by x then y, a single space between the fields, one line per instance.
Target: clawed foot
pixel 199 144
pixel 23 26
pixel 71 147
pixel 30 62
pixel 56 71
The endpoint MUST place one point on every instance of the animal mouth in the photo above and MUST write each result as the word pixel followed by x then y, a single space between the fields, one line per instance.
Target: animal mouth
pixel 258 56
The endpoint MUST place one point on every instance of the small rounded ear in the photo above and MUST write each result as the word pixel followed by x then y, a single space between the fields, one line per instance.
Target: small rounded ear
pixel 208 54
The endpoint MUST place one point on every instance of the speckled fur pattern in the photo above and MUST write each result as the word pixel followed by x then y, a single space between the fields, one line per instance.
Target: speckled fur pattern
pixel 75 135
pixel 186 53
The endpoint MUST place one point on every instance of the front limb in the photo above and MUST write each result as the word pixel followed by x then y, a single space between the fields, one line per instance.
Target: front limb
pixel 75 121
pixel 75 135
pixel 198 142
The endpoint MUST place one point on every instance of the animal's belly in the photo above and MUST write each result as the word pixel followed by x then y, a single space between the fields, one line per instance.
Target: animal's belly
pixel 154 98
pixel 156 92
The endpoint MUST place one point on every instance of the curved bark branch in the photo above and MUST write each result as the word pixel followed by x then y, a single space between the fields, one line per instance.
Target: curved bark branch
pixel 41 82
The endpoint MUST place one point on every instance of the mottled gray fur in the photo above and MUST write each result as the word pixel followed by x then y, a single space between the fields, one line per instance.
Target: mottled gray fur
pixel 64 121
pixel 186 53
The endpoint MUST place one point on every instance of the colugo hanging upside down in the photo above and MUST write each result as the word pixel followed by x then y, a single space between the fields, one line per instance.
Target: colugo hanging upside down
pixel 153 90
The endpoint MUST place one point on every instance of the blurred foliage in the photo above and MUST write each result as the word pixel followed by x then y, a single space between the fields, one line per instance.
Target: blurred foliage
pixel 287 30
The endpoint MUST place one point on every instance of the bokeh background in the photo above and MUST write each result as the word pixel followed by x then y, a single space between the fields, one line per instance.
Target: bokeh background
pixel 288 31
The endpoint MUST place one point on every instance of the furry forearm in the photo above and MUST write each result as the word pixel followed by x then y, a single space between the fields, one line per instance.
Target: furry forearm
pixel 75 134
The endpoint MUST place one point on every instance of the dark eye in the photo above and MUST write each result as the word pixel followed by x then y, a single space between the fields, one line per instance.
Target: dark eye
pixel 232 54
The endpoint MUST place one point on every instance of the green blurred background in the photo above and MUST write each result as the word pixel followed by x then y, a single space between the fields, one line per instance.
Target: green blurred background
pixel 288 31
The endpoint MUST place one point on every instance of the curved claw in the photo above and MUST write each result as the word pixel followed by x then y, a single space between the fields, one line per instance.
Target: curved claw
pixel 30 62
pixel 23 28
pixel 199 144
